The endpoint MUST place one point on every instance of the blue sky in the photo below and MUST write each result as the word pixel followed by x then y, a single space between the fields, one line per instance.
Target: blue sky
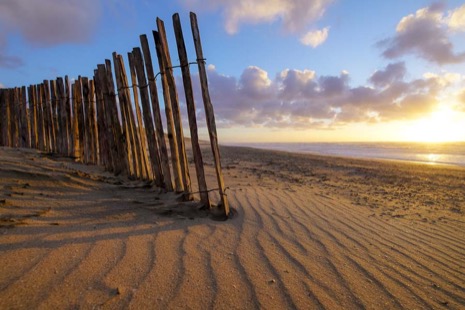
pixel 279 70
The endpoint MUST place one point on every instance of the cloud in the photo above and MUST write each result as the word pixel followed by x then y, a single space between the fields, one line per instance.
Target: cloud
pixel 393 72
pixel 8 61
pixel 295 15
pixel 49 22
pixel 315 38
pixel 426 34
pixel 300 99
pixel 456 19
pixel 45 23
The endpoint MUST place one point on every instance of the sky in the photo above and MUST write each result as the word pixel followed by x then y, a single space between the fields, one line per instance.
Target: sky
pixel 278 70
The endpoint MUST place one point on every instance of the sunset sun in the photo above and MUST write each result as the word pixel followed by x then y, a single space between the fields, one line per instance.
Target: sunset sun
pixel 442 125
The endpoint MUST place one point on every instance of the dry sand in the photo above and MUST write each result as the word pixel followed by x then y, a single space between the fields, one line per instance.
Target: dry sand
pixel 310 232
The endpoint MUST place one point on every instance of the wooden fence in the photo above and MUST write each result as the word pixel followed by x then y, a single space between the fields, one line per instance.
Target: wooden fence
pixel 98 121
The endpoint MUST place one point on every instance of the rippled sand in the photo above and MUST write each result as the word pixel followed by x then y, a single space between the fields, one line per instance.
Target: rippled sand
pixel 310 232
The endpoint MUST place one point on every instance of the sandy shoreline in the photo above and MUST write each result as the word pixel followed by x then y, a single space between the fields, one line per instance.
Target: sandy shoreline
pixel 311 232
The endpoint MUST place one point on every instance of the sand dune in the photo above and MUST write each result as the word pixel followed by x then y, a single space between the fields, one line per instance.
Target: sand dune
pixel 310 232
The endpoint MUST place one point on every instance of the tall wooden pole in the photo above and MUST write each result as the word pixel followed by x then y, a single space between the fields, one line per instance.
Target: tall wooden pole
pixel 209 113
pixel 14 110
pixel 92 124
pixel 150 131
pixel 63 140
pixel 86 94
pixel 25 137
pixel 69 122
pixel 48 119
pixel 3 117
pixel 54 115
pixel 191 111
pixel 138 143
pixel 127 124
pixel 33 115
pixel 43 124
pixel 175 109
pixel 175 162
pixel 145 163
pixel 102 126
pixel 40 117
pixel 164 160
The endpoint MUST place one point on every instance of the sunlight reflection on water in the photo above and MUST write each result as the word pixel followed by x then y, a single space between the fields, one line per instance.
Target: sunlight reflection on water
pixel 428 153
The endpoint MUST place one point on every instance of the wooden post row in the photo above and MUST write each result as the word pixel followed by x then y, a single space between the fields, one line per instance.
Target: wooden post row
pixel 89 122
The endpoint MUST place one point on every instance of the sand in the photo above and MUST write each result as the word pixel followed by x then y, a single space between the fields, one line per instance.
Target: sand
pixel 310 232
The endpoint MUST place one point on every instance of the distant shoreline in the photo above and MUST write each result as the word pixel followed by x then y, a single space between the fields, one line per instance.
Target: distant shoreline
pixel 447 153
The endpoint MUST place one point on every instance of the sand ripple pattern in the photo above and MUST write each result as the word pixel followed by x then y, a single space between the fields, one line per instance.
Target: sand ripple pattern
pixel 102 245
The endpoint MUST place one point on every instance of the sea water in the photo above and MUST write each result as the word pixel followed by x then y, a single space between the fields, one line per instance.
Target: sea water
pixel 451 153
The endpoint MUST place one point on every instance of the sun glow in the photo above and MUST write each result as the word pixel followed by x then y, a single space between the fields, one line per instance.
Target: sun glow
pixel 443 125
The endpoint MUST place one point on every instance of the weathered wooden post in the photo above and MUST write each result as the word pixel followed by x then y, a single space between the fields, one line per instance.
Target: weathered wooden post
pixel 150 131
pixel 164 160
pixel 168 74
pixel 124 103
pixel 54 120
pixel 69 118
pixel 175 162
pixel 108 128
pixel 32 116
pixel 92 123
pixel 105 141
pixel 63 138
pixel 59 106
pixel 14 110
pixel 48 118
pixel 78 121
pixel 3 117
pixel 86 96
pixel 209 113
pixel 186 76
pixel 112 108
pixel 25 137
pixel 8 121
pixel 42 131
pixel 147 172
pixel 83 83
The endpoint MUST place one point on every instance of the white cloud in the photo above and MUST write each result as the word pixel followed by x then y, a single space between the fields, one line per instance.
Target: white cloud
pixel 302 99
pixel 456 19
pixel 315 38
pixel 295 15
pixel 426 34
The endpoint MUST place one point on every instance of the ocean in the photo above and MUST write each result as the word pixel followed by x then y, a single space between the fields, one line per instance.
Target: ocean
pixel 451 153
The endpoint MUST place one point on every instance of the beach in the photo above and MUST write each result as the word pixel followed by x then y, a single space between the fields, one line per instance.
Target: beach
pixel 307 232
